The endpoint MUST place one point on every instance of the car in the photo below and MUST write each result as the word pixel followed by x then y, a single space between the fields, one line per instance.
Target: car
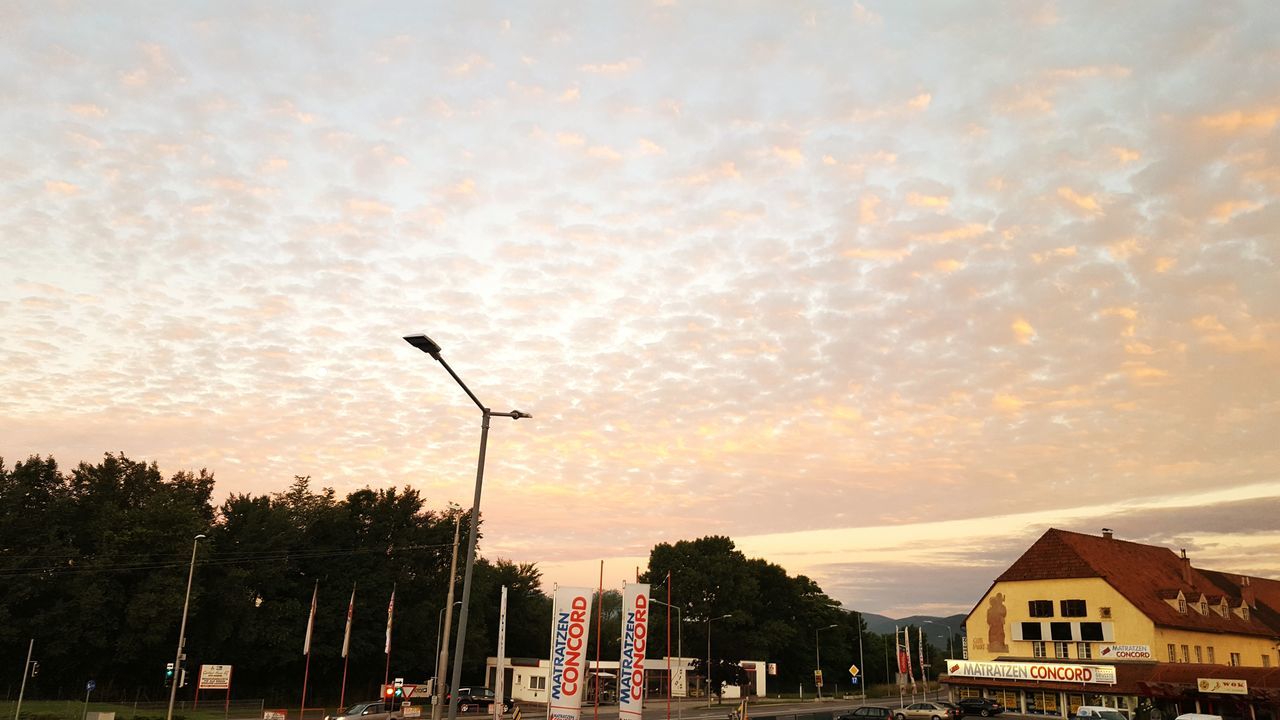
pixel 986 707
pixel 868 712
pixel 370 710
pixel 478 698
pixel 928 711
pixel 1098 712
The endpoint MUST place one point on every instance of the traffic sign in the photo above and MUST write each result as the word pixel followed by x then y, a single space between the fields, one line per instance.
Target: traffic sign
pixel 817 678
pixel 853 670
pixel 89 686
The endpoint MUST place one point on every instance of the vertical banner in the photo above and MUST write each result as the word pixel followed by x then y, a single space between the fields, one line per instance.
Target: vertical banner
pixel 635 643
pixel 570 635
pixel 499 681
pixel 924 674
pixel 902 656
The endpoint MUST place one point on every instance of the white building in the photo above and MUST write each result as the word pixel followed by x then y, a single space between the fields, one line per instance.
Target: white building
pixel 526 679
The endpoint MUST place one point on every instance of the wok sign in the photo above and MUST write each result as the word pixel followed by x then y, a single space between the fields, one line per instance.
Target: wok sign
pixel 1223 686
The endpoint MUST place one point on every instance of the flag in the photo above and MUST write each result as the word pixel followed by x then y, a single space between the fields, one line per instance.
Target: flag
pixel 906 657
pixel 920 637
pixel 351 609
pixel 635 647
pixel 570 637
pixel 391 611
pixel 311 621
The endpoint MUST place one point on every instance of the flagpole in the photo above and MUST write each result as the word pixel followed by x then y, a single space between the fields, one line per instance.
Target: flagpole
pixel 306 650
pixel 670 684
pixel 599 616
pixel 346 647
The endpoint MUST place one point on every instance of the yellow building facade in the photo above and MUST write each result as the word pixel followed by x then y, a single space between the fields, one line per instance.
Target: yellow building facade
pixel 1093 620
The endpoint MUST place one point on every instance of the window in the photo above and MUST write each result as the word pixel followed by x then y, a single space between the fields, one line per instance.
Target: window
pixel 1073 608
pixel 1212 661
pixel 1244 613
pixel 538 682
pixel 1186 654
pixel 1060 631
pixel 1204 607
pixel 1040 608
pixel 1199 657
pixel 1173 653
pixel 1037 649
pixel 1061 649
pixel 1104 613
pixel 1084 651
pixel 1182 605
pixel 1031 631
pixel 1266 660
pixel 1091 631
pixel 1235 660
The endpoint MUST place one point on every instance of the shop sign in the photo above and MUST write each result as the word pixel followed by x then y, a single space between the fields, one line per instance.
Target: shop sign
pixel 1045 672
pixel 1222 686
pixel 1126 652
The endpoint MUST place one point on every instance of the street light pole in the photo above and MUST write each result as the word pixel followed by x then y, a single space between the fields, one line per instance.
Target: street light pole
pixel 435 677
pixel 182 631
pixel 430 347
pixel 679 649
pixel 709 621
pixel 442 649
pixel 817 656
pixel 861 661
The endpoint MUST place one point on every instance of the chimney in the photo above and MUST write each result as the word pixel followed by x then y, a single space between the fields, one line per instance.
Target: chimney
pixel 1246 592
pixel 1186 568
pixel 1107 533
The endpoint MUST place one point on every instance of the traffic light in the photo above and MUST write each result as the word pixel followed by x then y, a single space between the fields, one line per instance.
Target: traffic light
pixel 388 692
pixel 182 678
pixel 168 674
pixel 35 668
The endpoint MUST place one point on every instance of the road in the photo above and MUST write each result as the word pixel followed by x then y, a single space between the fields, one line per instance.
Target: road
pixel 656 709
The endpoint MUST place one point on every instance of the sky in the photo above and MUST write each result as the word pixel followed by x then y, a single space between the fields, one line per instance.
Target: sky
pixel 880 290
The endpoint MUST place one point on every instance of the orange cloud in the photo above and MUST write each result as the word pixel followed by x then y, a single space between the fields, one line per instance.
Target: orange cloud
pixel 928 201
pixel 1237 120
pixel 1083 202
pixel 1023 331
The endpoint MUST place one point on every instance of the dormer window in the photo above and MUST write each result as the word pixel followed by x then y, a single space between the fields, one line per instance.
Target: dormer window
pixel 1182 604
pixel 1223 607
pixel 1244 613
pixel 1204 606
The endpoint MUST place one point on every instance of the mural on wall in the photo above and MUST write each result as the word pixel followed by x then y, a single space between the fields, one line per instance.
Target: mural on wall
pixel 995 624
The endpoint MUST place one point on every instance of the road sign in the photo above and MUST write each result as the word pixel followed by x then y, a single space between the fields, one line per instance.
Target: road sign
pixel 817 678
pixel 854 681
pixel 853 670
pixel 89 686
pixel 399 682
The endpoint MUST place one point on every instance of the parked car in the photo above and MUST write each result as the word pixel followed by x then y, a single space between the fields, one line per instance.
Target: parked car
pixel 478 698
pixel 868 712
pixel 371 710
pixel 986 707
pixel 1098 712
pixel 928 711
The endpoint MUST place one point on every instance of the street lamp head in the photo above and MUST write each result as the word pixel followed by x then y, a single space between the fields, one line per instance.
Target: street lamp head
pixel 830 626
pixel 516 415
pixel 425 344
pixel 200 536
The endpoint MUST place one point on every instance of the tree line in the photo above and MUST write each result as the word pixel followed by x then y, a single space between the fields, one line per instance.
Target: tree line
pixel 94 562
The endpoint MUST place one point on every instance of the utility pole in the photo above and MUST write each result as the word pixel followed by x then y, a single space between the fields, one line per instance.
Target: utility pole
pixel 26 669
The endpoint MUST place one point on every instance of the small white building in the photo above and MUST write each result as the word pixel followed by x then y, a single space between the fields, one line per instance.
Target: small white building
pixel 526 678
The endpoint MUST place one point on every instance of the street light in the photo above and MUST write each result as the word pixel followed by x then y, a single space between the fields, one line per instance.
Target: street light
pixel 182 631
pixel 948 627
pixel 430 347
pixel 861 662
pixel 817 655
pixel 709 621
pixel 679 651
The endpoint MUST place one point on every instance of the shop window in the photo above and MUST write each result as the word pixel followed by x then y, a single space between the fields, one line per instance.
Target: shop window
pixel 1173 653
pixel 1031 631
pixel 1074 702
pixel 1073 608
pixel 1084 651
pixel 1037 649
pixel 1235 660
pixel 1212 660
pixel 1040 608
pixel 1186 654
pixel 1199 655
pixel 1091 631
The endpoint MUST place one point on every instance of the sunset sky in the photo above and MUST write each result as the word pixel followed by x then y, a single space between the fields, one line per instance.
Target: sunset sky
pixel 881 290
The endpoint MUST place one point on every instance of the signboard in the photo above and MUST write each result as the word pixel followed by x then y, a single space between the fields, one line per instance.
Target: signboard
pixel 1042 672
pixel 853 671
pixel 1222 686
pixel 635 643
pixel 773 668
pixel 817 678
pixel 570 636
pixel 90 686
pixel 1126 652
pixel 214 677
pixel 274 714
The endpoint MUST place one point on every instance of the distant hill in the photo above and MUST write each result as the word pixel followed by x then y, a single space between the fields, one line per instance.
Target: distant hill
pixel 883 625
